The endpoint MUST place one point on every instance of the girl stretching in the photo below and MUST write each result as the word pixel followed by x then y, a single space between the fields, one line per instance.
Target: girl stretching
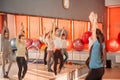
pixel 21 53
pixel 57 52
pixel 50 45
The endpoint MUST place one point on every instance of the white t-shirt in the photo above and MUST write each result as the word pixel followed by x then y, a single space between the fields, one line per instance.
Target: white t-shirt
pixel 57 42
pixel 50 44
pixel 63 43
pixel 90 42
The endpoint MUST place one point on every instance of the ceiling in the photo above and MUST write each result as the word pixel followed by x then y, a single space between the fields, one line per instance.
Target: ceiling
pixel 112 3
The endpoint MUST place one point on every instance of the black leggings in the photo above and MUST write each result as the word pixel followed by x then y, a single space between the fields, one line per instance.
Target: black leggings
pixel 95 74
pixel 21 62
pixel 58 55
pixel 45 56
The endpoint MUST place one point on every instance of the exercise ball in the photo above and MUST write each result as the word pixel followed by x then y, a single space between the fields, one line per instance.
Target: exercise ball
pixel 69 63
pixel 43 46
pixel 37 43
pixel 86 36
pixel 13 43
pixel 28 42
pixel 78 45
pixel 65 31
pixel 113 45
pixel 118 37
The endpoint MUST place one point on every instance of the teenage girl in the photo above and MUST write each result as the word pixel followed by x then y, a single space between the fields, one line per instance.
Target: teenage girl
pixel 21 54
pixel 6 50
pixel 50 45
pixel 57 50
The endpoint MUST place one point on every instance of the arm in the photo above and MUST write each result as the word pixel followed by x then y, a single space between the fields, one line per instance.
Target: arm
pixel 104 57
pixel 62 32
pixel 53 27
pixel 94 26
pixel 2 35
pixel 26 54
pixel 19 33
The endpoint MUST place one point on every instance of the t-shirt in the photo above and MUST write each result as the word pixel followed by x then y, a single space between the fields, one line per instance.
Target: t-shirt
pixel 63 43
pixel 50 44
pixel 95 60
pixel 21 48
pixel 57 42
pixel 90 42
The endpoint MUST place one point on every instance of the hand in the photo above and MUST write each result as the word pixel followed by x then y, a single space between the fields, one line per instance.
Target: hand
pixel 22 26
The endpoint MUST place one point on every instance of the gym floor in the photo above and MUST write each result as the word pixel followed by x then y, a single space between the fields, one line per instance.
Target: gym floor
pixel 39 72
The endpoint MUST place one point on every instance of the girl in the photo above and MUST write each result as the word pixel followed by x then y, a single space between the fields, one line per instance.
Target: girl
pixel 21 53
pixel 97 58
pixel 64 45
pixel 57 50
pixel 6 50
pixel 50 45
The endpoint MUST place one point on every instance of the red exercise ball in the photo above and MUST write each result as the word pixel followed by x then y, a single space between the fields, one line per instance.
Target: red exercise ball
pixel 37 43
pixel 78 45
pixel 28 42
pixel 86 36
pixel 69 63
pixel 118 38
pixel 113 45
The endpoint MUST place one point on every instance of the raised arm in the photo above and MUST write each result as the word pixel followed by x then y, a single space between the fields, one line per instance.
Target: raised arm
pixel 53 27
pixel 21 31
pixel 3 30
pixel 94 26
pixel 62 32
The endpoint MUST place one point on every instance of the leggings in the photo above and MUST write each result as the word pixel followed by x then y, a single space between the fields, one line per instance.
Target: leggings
pixel 95 74
pixel 49 59
pixel 6 57
pixel 64 52
pixel 22 64
pixel 45 56
pixel 58 55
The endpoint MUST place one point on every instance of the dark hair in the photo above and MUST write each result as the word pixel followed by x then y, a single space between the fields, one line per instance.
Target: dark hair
pixel 5 32
pixel 63 34
pixel 21 36
pixel 56 29
pixel 100 38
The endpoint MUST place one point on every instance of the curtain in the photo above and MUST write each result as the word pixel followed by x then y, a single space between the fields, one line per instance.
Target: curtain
pixel 0 24
pixel 114 23
pixel 34 27
pixel 21 19
pixel 79 28
pixel 47 24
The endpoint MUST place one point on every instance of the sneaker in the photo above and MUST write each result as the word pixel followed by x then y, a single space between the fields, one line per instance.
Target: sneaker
pixel 5 76
pixel 6 73
pixel 50 70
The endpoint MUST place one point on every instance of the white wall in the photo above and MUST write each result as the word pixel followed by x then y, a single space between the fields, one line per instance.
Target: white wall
pixel 112 3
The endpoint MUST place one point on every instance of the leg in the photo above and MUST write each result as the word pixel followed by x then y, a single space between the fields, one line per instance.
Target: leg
pixel 45 56
pixel 101 73
pixel 3 63
pixel 55 61
pixel 66 55
pixel 51 57
pixel 48 60
pixel 10 63
pixel 61 60
pixel 19 63
pixel 92 75
pixel 25 67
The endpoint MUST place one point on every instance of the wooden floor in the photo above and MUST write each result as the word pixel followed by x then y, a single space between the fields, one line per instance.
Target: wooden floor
pixel 39 72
